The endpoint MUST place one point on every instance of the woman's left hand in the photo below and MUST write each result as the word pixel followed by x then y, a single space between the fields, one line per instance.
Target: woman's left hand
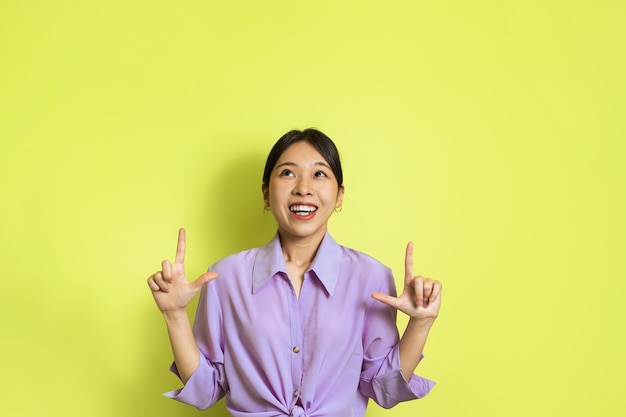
pixel 420 298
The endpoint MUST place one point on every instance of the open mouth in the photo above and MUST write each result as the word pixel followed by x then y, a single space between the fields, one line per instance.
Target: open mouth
pixel 302 209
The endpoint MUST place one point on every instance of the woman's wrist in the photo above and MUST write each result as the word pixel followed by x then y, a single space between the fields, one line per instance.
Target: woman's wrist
pixel 422 324
pixel 173 317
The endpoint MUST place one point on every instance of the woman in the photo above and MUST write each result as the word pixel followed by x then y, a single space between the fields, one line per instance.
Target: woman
pixel 301 326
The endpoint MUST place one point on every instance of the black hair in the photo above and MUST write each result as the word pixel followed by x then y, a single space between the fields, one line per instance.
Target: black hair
pixel 322 143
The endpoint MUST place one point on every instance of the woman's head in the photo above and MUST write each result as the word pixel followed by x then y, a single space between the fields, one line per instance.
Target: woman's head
pixel 303 183
pixel 322 143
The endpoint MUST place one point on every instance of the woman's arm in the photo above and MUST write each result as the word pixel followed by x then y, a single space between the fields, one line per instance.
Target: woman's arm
pixel 412 345
pixel 183 343
pixel 172 292
pixel 420 300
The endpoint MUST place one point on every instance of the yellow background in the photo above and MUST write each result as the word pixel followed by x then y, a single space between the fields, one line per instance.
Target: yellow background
pixel 489 132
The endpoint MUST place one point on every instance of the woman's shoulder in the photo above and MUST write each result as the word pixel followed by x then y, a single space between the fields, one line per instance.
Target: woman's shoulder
pixel 357 258
pixel 371 274
pixel 244 258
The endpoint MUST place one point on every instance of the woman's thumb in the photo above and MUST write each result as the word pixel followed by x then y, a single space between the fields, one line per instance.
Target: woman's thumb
pixel 204 278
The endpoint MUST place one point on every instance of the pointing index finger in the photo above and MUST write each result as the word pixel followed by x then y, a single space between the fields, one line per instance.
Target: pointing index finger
pixel 408 263
pixel 180 248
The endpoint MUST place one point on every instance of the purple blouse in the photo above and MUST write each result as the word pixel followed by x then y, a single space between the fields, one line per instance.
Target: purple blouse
pixel 322 355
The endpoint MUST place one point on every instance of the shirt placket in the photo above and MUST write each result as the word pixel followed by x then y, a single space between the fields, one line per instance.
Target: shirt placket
pixel 295 322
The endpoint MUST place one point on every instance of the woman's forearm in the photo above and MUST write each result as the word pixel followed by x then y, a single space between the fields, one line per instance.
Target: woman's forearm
pixel 184 347
pixel 412 344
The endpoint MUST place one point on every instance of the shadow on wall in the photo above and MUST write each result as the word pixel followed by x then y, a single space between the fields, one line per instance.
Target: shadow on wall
pixel 239 220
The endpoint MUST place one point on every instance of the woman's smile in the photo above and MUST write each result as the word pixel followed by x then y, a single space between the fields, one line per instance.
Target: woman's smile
pixel 303 211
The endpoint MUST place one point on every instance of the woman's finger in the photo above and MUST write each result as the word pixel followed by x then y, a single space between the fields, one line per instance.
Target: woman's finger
pixel 387 299
pixel 181 247
pixel 437 287
pixel 418 287
pixel 408 263
pixel 204 278
pixel 428 289
pixel 166 267
pixel 162 284
pixel 153 285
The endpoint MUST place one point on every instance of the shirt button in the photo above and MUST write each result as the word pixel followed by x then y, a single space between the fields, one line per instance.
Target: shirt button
pixel 296 349
pixel 296 393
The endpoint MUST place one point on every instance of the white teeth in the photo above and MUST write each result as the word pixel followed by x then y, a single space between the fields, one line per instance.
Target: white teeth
pixel 302 209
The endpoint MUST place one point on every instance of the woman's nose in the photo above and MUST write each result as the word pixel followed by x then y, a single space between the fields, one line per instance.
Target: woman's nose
pixel 303 187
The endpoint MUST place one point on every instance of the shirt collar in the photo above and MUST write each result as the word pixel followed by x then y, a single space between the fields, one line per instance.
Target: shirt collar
pixel 270 261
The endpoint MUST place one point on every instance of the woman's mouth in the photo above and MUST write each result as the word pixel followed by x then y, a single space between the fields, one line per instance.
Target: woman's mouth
pixel 302 210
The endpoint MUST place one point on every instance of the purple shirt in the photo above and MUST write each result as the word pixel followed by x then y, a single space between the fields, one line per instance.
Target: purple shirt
pixel 322 355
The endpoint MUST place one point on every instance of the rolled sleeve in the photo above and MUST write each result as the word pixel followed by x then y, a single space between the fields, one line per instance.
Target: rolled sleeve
pixel 389 386
pixel 196 392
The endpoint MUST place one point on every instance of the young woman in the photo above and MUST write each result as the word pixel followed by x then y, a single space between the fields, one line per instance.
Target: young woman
pixel 301 326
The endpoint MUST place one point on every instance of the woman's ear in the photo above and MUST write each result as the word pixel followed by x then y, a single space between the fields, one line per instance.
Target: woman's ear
pixel 266 195
pixel 339 197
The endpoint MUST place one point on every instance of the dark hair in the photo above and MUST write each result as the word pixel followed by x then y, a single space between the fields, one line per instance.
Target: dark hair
pixel 322 143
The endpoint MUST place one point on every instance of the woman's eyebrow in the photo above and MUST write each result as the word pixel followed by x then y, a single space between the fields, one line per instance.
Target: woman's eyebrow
pixel 293 164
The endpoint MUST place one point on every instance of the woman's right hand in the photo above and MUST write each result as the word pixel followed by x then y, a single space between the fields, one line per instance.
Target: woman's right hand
pixel 170 288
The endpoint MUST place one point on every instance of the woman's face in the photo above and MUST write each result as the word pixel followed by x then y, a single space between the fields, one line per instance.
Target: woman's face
pixel 302 192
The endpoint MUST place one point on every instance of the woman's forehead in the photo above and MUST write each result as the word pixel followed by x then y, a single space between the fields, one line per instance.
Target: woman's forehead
pixel 301 153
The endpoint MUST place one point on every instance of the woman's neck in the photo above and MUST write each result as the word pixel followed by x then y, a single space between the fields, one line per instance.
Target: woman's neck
pixel 300 250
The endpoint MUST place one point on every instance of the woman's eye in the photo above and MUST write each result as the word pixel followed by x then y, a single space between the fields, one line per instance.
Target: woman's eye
pixel 320 174
pixel 287 173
